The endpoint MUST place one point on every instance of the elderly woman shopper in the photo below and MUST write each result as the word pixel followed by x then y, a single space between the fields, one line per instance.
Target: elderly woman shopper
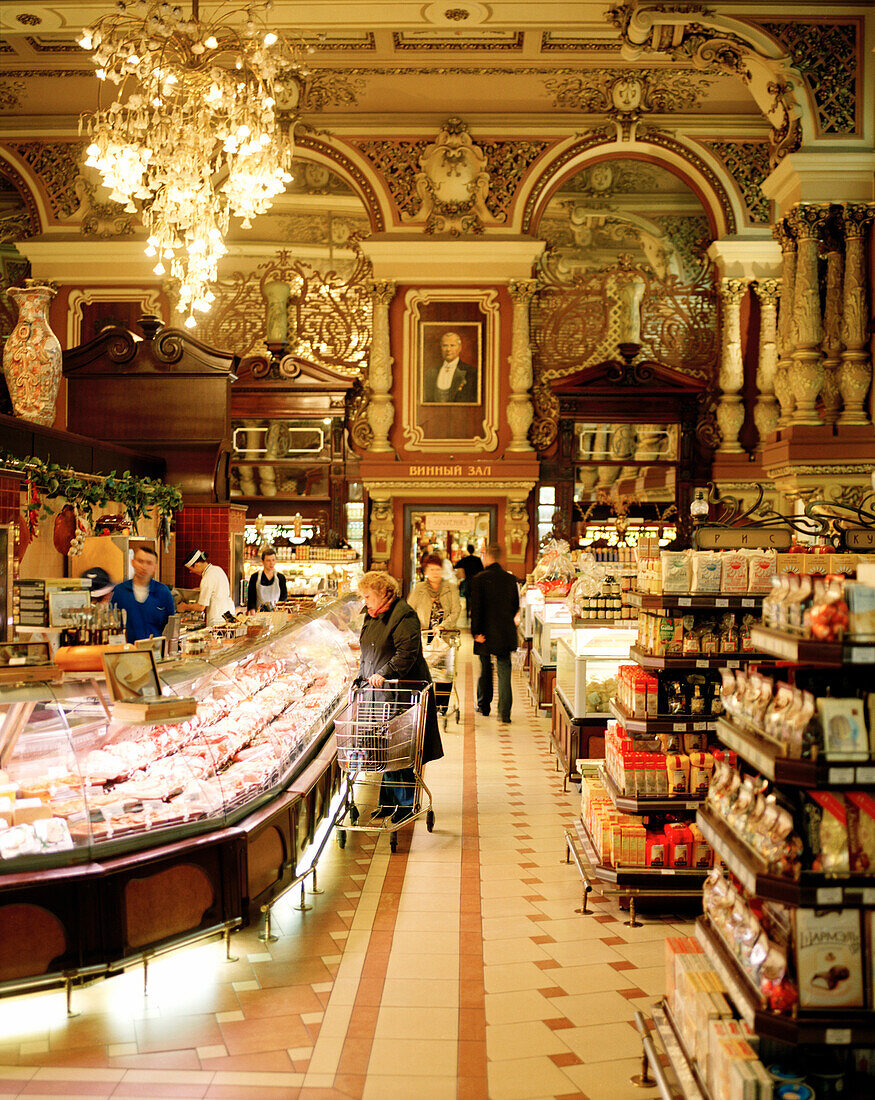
pixel 435 600
pixel 391 645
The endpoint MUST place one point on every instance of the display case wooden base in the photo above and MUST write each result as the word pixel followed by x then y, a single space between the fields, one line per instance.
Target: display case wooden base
pixel 542 679
pixel 574 739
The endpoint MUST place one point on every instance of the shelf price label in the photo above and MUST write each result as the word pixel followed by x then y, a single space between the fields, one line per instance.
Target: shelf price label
pixel 868 895
pixel 866 775
pixel 840 776
pixel 678 727
pixel 748 603
pixel 702 664
pixel 837 1036
pixel 829 895
pixel 733 664
pixel 863 655
pixel 685 601
pixel 721 603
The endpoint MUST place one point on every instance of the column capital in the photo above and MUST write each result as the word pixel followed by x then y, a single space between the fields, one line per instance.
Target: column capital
pixel 381 290
pixel 782 231
pixel 767 290
pixel 857 217
pixel 522 290
pixel 732 291
pixel 807 219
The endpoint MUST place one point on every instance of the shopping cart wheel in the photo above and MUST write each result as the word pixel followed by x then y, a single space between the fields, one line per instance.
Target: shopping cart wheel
pixel 393 841
pixel 446 723
pixel 353 814
pixel 429 820
pixel 341 838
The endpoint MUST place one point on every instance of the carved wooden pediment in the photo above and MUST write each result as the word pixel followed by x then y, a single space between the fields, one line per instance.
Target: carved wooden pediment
pixel 293 372
pixel 117 351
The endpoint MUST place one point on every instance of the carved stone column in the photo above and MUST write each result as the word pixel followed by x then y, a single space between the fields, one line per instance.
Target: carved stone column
pixel 765 413
pixel 855 373
pixel 832 339
pixel 381 410
pixel 730 411
pixel 806 369
pixel 783 392
pixel 520 412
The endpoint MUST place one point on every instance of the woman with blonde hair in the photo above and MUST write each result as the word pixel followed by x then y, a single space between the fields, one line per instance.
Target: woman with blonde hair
pixel 391 645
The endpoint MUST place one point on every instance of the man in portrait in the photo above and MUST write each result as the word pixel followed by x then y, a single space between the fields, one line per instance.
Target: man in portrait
pixel 452 380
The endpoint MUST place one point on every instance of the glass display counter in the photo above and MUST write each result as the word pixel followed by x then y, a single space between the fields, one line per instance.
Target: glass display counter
pixel 77 785
pixel 532 600
pixel 552 621
pixel 586 667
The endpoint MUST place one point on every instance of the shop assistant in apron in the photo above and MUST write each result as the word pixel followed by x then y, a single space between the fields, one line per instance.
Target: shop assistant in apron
pixel 267 587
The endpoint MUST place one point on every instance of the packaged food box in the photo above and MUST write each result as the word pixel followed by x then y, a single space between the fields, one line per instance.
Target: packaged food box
pixel 829 958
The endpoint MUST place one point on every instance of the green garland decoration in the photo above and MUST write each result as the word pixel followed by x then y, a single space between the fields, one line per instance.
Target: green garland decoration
pixel 87 491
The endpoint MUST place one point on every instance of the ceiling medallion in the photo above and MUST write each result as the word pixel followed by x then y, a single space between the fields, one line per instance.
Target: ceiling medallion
pixel 444 13
pixel 193 132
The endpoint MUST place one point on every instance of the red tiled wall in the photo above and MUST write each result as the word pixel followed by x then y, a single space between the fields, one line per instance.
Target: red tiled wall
pixel 10 499
pixel 202 527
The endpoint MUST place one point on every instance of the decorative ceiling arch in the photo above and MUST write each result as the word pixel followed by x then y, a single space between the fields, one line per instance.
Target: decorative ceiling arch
pixel 21 178
pixel 356 170
pixel 704 175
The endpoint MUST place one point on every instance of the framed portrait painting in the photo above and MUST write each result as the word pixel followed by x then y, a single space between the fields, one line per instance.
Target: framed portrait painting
pixel 452 391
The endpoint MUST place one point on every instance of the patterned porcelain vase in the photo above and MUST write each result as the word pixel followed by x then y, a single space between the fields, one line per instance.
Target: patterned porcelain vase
pixel 32 356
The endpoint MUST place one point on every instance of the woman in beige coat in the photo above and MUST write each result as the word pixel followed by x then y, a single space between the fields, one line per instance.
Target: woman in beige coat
pixel 435 601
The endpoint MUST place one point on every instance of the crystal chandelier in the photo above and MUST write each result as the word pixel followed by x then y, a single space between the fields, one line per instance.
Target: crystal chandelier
pixel 193 134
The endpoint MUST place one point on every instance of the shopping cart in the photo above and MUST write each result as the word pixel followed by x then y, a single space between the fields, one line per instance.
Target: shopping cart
pixel 441 652
pixel 381 730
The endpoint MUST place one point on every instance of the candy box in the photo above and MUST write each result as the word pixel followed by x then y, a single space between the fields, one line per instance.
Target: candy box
pixel 829 958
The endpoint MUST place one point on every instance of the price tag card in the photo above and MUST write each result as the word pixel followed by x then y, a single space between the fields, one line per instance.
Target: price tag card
pixel 866 775
pixel 829 895
pixel 679 727
pixel 667 871
pixel 701 725
pixel 840 776
pixel 691 806
pixel 721 603
pixel 868 895
pixel 733 664
pixel 838 1036
pixel 702 664
pixel 748 603
pixel 863 655
pixel 685 601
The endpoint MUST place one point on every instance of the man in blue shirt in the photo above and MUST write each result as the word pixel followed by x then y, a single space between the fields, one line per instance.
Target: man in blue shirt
pixel 147 603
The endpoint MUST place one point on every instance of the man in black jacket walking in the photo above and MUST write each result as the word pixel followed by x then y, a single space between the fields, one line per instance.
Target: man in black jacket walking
pixel 495 602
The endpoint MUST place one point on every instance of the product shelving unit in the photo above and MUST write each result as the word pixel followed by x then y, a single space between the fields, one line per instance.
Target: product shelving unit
pixel 662 723
pixel 658 663
pixel 822 1026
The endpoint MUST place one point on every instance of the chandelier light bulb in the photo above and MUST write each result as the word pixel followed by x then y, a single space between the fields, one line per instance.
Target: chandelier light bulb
pixel 195 143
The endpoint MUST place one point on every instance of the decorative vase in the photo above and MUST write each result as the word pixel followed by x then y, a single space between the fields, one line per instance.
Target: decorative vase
pixel 32 356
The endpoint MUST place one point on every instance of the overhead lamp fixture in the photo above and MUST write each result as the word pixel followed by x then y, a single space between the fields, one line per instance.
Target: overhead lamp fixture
pixel 192 137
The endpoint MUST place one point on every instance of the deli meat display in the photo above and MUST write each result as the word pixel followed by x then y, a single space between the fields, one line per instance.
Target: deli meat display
pixel 118 839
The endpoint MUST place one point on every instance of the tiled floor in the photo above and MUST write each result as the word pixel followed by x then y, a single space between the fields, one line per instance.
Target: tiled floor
pixel 455 969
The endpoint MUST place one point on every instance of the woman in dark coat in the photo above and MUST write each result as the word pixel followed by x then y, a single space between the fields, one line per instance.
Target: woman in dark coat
pixel 391 644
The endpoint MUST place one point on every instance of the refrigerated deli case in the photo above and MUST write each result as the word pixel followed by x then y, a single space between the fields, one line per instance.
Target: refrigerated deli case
pixel 118 840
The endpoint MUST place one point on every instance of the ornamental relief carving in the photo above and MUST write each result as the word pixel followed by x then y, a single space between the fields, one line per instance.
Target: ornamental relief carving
pixel 748 162
pixel 457 187
pixel 626 95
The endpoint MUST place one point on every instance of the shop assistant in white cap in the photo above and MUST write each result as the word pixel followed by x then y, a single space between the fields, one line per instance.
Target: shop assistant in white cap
pixel 214 595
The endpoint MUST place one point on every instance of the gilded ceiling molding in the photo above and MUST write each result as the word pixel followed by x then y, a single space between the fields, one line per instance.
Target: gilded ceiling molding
pixel 696 35
pixel 11 92
pixel 553 40
pixel 826 56
pixel 39 45
pixel 748 164
pixel 57 164
pixel 49 74
pixel 476 40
